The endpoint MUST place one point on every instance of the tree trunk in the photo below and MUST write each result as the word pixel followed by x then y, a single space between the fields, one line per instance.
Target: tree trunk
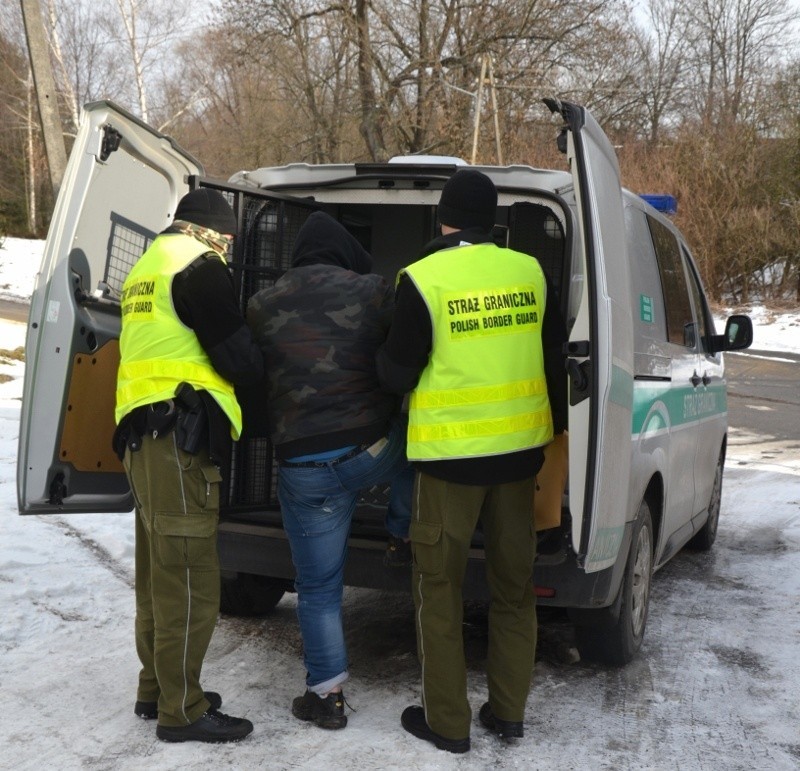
pixel 39 54
pixel 30 162
pixel 129 19
pixel 370 127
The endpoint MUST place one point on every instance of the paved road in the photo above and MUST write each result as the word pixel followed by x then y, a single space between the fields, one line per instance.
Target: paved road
pixel 764 393
pixel 13 311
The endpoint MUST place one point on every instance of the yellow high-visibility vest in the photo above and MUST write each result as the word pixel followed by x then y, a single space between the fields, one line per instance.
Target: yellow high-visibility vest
pixel 158 351
pixel 483 391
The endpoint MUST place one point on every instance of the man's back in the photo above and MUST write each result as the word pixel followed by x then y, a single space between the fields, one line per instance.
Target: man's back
pixel 319 328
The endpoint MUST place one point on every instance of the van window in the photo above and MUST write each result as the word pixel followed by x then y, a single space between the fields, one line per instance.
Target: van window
pixel 705 321
pixel 681 328
pixel 647 301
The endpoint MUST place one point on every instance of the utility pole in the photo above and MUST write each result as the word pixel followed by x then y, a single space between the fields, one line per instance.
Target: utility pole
pixel 486 65
pixel 39 54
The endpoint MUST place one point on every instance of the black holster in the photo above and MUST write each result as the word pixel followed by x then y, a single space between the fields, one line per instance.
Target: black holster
pixel 191 425
pixel 160 417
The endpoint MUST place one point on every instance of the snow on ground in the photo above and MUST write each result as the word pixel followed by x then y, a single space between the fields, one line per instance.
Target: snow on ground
pixel 772 331
pixel 19 263
pixel 715 686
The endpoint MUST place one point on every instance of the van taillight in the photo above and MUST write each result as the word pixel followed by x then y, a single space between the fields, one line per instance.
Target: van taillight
pixel 544 591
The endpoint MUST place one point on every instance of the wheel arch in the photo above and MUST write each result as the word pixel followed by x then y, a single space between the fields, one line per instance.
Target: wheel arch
pixel 654 497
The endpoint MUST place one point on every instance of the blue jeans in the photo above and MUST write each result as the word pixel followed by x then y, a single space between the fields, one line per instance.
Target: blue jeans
pixel 317 503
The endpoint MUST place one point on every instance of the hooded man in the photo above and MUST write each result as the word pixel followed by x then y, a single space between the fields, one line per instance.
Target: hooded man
pixel 183 346
pixel 477 340
pixel 334 431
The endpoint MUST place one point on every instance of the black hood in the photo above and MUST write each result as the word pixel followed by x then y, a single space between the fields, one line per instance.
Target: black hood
pixel 323 241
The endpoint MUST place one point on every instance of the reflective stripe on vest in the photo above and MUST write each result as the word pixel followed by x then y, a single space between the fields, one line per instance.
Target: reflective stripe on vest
pixel 158 351
pixel 483 391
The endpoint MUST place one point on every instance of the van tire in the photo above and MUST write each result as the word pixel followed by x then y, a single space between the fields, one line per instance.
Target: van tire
pixel 704 538
pixel 614 635
pixel 246 594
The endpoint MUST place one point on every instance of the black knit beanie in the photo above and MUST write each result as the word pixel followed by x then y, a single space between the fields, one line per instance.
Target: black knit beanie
pixel 469 199
pixel 209 209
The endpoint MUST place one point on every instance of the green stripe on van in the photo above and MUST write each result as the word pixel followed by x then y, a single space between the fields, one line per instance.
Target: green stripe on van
pixel 655 403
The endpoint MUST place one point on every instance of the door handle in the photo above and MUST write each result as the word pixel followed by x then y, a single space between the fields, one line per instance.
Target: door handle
pixel 696 379
pixel 579 375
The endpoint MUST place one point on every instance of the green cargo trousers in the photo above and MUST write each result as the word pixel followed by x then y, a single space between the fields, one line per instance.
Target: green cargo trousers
pixel 444 518
pixel 177 573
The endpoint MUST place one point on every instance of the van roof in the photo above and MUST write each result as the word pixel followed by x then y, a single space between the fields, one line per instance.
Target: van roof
pixel 428 172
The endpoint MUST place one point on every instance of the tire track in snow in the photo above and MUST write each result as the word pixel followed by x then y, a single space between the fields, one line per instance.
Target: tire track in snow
pixel 99 552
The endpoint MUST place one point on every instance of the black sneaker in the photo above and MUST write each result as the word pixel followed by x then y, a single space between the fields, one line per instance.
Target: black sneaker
pixel 398 553
pixel 148 710
pixel 413 720
pixel 212 726
pixel 326 713
pixel 505 729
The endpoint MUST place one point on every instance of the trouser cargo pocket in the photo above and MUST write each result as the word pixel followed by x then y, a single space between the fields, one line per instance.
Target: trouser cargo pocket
pixel 426 540
pixel 200 485
pixel 186 539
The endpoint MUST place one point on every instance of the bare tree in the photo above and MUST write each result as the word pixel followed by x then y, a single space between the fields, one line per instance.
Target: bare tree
pixel 783 159
pixel 418 61
pixel 129 11
pixel 237 114
pixel 150 29
pixel 23 166
pixel 733 46
pixel 68 90
pixel 661 86
pixel 121 50
pixel 371 123
pixel 698 100
pixel 309 56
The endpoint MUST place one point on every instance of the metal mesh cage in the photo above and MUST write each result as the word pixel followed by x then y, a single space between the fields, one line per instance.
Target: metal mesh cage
pixel 126 243
pixel 268 229
pixel 253 475
pixel 534 229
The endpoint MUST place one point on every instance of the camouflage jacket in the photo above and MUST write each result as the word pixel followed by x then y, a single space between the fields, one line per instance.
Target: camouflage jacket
pixel 319 328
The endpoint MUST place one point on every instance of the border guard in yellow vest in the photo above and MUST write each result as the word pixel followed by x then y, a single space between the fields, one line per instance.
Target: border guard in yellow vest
pixel 184 344
pixel 477 341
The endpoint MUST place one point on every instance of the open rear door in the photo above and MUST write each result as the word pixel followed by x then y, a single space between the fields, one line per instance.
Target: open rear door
pixel 600 347
pixel 121 187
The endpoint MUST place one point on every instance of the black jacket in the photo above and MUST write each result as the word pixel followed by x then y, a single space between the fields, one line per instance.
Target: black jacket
pixel 319 328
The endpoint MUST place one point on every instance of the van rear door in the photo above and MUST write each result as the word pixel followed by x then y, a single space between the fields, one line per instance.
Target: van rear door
pixel 121 187
pixel 600 347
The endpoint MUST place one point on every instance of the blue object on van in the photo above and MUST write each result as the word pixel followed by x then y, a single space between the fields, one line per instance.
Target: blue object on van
pixel 666 204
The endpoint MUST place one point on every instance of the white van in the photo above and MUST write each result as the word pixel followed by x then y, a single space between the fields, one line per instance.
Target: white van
pixel 647 415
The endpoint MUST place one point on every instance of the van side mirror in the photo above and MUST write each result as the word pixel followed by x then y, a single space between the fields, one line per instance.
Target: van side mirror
pixel 738 335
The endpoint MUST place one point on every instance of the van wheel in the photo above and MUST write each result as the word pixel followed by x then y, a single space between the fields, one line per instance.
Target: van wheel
pixel 704 538
pixel 613 635
pixel 245 594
